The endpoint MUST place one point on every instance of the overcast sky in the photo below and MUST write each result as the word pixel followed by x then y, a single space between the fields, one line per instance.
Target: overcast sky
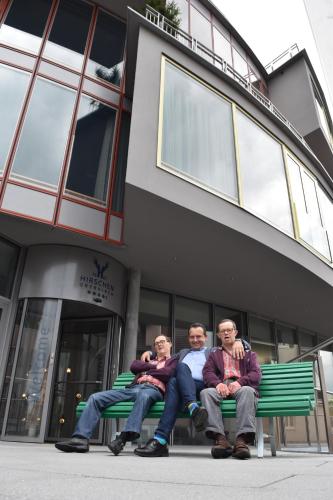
pixel 270 27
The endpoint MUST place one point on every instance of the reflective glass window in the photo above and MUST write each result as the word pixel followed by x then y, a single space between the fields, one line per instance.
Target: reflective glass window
pixel 107 51
pixel 183 7
pixel 24 27
pixel 197 133
pixel 305 199
pixel 240 64
pixel 326 206
pixel 119 182
pixel 13 87
pixel 41 147
pixel 29 388
pixel 222 46
pixel 189 311
pixel 154 318
pixel 263 177
pixel 69 32
pixel 201 28
pixel 8 263
pixel 262 339
pixel 92 150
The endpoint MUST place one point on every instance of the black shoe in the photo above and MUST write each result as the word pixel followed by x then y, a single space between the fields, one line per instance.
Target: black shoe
pixel 152 448
pixel 75 445
pixel 200 418
pixel 117 445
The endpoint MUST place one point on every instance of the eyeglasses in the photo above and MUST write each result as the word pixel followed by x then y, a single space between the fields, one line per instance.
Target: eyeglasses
pixel 160 342
pixel 228 330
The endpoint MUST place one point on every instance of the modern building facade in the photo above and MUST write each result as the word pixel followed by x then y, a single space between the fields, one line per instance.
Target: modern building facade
pixel 150 177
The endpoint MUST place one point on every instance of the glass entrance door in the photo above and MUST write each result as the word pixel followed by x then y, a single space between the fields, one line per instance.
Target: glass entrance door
pixel 81 370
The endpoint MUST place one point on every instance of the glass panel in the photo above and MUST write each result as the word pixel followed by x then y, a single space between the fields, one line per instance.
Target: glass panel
pixel 10 363
pixel 41 147
pixel 119 183
pixel 326 206
pixel 201 28
pixel 68 36
pixel 287 343
pixel 261 330
pixel 262 173
pixel 29 388
pixel 23 28
pixel 191 311
pixel 154 318
pixel 236 316
pixel 107 51
pixel 222 46
pixel 306 340
pixel 80 372
pixel 266 353
pixel 13 87
pixel 197 132
pixel 183 6
pixel 308 215
pixel 240 65
pixel 8 265
pixel 92 150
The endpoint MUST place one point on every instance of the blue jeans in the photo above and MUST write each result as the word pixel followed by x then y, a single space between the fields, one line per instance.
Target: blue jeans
pixel 181 390
pixel 143 395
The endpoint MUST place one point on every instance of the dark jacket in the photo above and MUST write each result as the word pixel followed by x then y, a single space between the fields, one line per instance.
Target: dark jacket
pixel 163 374
pixel 213 370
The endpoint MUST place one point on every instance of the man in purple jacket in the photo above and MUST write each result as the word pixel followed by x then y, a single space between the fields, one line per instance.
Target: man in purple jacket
pixel 147 388
pixel 227 377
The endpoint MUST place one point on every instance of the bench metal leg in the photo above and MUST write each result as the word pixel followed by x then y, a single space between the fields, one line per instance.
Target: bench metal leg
pixel 272 436
pixel 260 438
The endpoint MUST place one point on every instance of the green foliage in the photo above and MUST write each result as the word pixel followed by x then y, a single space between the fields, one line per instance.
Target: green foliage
pixel 168 9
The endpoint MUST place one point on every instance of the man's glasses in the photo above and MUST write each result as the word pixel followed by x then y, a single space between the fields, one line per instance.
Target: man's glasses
pixel 228 330
pixel 160 342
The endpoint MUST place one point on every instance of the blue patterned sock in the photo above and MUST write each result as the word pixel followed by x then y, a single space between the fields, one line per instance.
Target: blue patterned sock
pixel 160 439
pixel 191 407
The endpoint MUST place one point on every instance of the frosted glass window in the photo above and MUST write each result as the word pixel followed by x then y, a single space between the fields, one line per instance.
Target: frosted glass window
pixel 13 86
pixel 201 28
pixel 42 144
pixel 263 177
pixel 183 7
pixel 307 209
pixel 197 133
pixel 240 65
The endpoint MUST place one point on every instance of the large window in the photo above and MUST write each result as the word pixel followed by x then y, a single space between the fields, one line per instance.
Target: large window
pixel 69 32
pixel 201 28
pixel 119 182
pixel 13 86
pixel 198 133
pixel 107 51
pixel 262 339
pixel 24 27
pixel 92 151
pixel 326 206
pixel 304 195
pixel 222 46
pixel 191 311
pixel 263 176
pixel 41 148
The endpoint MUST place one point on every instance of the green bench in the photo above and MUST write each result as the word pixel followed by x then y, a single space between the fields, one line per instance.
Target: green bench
pixel 286 389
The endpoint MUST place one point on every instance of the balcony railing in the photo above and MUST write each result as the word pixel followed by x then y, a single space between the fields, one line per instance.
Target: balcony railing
pixel 282 58
pixel 192 43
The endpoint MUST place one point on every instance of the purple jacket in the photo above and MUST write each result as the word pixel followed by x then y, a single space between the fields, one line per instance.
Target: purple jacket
pixel 249 368
pixel 163 374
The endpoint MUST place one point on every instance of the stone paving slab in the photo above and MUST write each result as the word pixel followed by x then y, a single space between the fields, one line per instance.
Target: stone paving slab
pixel 40 472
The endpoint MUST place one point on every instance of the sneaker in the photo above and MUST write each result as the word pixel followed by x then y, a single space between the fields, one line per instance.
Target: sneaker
pixel 75 445
pixel 241 449
pixel 117 445
pixel 152 448
pixel 200 418
pixel 222 448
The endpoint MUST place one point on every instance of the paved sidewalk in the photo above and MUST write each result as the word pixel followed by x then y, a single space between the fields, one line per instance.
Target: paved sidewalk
pixel 40 472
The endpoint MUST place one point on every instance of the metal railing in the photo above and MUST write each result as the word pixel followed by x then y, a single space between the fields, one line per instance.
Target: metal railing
pixel 314 353
pixel 282 58
pixel 192 43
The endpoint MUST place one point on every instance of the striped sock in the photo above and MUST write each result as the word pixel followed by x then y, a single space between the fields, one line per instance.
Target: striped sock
pixel 191 407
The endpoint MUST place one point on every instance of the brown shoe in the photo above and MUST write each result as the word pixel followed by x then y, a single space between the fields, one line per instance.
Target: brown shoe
pixel 241 449
pixel 222 447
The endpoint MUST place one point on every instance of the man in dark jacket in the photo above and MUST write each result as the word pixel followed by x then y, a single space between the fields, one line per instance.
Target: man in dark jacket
pixel 227 377
pixel 147 388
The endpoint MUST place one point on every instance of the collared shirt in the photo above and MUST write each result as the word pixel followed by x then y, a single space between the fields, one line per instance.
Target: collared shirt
pixel 195 360
pixel 231 366
pixel 160 363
